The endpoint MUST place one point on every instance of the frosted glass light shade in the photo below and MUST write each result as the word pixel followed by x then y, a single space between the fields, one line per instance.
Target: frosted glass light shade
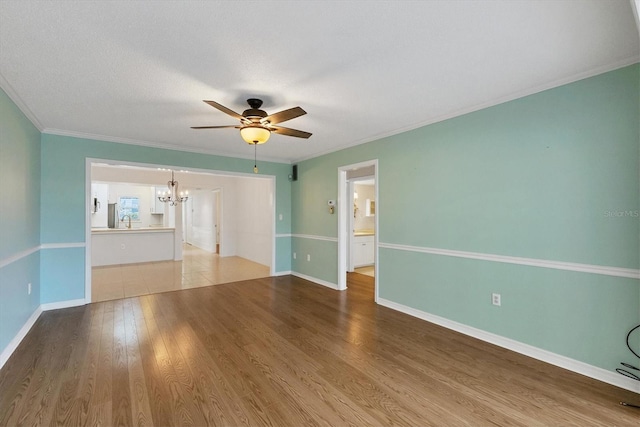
pixel 255 134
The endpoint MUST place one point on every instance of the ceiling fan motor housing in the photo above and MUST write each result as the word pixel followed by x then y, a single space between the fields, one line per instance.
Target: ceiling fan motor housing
pixel 254 111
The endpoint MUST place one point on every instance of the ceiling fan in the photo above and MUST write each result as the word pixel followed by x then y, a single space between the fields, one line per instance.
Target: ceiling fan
pixel 256 125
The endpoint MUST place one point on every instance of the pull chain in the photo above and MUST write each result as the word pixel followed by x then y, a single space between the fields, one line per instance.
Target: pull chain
pixel 255 155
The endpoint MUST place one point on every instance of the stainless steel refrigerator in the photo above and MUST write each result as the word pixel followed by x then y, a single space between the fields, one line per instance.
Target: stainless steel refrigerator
pixel 113 221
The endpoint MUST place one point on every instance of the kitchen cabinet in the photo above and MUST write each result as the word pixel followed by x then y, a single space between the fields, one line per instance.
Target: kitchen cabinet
pixel 363 251
pixel 157 207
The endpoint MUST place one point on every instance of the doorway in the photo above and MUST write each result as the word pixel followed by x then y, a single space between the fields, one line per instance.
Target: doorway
pixel 350 254
pixel 202 219
pixel 361 237
pixel 241 247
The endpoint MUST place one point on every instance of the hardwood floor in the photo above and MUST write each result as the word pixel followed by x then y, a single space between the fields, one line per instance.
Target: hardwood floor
pixel 285 352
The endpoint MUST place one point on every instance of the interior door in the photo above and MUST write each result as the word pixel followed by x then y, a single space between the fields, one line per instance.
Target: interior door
pixel 201 220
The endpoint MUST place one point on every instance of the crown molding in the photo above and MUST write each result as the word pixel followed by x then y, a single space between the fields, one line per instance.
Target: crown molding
pixel 490 103
pixel 4 84
pixel 13 95
pixel 150 144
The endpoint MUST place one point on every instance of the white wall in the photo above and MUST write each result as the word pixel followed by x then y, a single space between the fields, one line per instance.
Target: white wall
pixel 246 205
pixel 201 219
pixel 254 211
pixel 110 192
pixel 145 195
pixel 99 213
pixel 361 221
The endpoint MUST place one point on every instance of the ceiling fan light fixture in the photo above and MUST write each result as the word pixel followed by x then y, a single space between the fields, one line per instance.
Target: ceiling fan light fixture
pixel 255 134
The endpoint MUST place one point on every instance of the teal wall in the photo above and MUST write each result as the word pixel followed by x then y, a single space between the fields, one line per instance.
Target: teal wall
pixel 19 219
pixel 63 219
pixel 551 176
pixel 322 254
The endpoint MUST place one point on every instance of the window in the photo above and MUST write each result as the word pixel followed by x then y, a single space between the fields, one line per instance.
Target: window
pixel 130 206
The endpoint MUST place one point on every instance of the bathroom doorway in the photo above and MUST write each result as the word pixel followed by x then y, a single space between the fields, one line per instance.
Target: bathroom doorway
pixel 361 238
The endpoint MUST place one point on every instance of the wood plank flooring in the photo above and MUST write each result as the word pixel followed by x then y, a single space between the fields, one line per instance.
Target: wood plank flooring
pixel 283 352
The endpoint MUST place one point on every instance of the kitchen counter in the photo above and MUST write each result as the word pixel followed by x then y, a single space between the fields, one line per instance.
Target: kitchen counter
pixel 110 246
pixel 133 230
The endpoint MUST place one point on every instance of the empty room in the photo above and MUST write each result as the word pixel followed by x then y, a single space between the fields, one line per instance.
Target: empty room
pixel 298 213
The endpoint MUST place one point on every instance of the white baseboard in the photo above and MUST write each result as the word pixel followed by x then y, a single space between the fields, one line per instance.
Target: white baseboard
pixel 15 342
pixel 63 304
pixel 317 281
pixel 609 377
pixel 282 273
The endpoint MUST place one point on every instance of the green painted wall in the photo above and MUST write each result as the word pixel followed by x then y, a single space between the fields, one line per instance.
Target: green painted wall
pixel 322 254
pixel 63 218
pixel 19 219
pixel 552 176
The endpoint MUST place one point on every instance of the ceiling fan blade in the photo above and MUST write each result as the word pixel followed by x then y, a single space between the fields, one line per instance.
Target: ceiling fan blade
pixel 284 115
pixel 290 132
pixel 215 127
pixel 226 110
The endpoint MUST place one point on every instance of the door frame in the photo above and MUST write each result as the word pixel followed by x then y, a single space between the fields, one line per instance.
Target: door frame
pixel 187 216
pixel 344 211
pixel 87 214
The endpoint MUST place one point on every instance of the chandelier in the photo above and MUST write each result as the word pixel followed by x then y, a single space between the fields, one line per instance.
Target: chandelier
pixel 173 197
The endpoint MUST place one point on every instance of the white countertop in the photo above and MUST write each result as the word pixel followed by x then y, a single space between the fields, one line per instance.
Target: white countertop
pixel 132 230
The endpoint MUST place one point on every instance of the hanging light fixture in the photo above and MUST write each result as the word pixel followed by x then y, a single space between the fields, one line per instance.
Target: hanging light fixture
pixel 255 134
pixel 173 197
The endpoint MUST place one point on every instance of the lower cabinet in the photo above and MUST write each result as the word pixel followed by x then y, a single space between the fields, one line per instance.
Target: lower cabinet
pixel 363 251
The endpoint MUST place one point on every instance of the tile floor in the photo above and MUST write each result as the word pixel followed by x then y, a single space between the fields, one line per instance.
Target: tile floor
pixel 369 270
pixel 198 268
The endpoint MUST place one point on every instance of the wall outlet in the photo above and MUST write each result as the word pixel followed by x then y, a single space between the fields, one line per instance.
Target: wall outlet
pixel 294 255
pixel 308 257
pixel 280 216
pixel 495 299
pixel 29 288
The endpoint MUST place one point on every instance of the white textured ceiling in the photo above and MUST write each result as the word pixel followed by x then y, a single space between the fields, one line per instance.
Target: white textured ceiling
pixel 137 71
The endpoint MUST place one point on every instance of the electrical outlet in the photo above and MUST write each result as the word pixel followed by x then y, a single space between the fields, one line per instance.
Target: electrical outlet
pixel 495 299
pixel 280 217
pixel 308 257
pixel 294 255
pixel 29 289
